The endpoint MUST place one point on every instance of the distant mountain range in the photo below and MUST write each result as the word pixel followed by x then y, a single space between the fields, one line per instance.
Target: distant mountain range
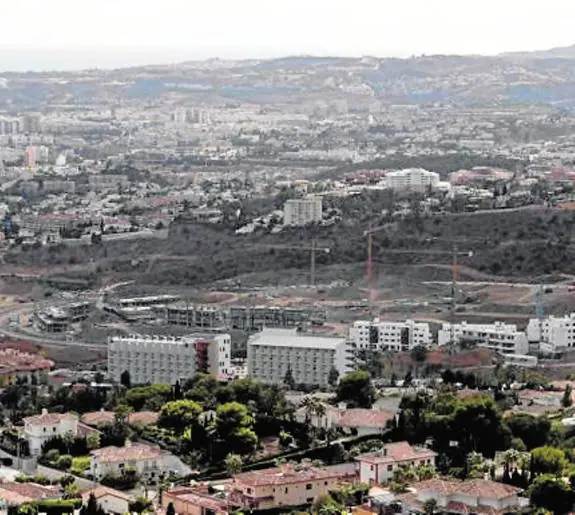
pixel 542 77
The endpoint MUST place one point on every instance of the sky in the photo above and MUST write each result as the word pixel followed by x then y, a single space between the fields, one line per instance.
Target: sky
pixel 49 34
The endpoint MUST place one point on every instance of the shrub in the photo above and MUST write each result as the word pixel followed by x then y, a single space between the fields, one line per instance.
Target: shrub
pixel 64 462
pixel 80 464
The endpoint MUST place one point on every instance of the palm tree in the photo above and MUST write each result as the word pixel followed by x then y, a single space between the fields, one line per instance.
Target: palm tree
pixel 320 412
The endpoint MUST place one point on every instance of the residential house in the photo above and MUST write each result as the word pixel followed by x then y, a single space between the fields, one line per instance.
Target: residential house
pixel 38 429
pixel 288 485
pixel 196 501
pixel 15 494
pixel 111 501
pixel 473 496
pixel 378 467
pixel 365 421
pixel 102 418
pixel 147 460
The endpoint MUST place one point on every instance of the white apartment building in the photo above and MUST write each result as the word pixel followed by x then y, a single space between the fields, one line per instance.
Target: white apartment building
pixel 499 337
pixel 552 333
pixel 302 211
pixel 165 359
pixel 413 179
pixel 38 429
pixel 310 358
pixel 397 336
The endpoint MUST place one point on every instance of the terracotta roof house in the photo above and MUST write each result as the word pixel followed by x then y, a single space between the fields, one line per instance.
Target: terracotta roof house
pixel 378 467
pixel 288 485
pixel 479 496
pixel 112 501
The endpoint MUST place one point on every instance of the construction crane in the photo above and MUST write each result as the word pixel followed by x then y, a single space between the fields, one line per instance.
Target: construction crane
pixel 454 252
pixel 313 248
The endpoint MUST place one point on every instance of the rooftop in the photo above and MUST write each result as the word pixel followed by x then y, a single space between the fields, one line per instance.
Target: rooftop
pixel 130 452
pixel 394 452
pixel 289 475
pixel 292 338
pixel 16 494
pixel 365 418
pixel 13 360
pixel 48 419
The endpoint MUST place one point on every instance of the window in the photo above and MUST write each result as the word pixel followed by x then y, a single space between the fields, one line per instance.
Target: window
pixel 309 499
pixel 308 486
pixel 389 468
pixel 286 490
pixel 371 468
pixel 249 490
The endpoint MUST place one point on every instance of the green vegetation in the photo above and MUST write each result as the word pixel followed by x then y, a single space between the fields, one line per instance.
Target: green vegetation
pixel 356 390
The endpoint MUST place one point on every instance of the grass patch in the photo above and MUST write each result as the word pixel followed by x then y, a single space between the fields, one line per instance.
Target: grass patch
pixel 80 464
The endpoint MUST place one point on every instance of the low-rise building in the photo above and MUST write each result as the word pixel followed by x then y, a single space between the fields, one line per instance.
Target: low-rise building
pixel 463 497
pixel 13 494
pixel 288 485
pixel 309 358
pixel 196 501
pixel 38 429
pixel 15 365
pixel 148 461
pixel 111 501
pixel 165 359
pixel 499 337
pixel 378 467
pixel 380 335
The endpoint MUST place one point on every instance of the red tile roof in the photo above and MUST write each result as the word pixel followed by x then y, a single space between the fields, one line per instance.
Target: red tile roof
pixel 19 493
pixel 196 497
pixel 396 452
pixel 102 491
pixel 474 487
pixel 48 419
pixel 97 418
pixel 355 418
pixel 130 452
pixel 13 360
pixel 289 475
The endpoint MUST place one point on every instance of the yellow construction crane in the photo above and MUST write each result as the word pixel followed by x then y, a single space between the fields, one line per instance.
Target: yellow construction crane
pixel 313 248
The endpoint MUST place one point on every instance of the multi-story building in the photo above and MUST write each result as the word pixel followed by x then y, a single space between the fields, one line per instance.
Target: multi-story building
pixel 288 485
pixel 303 211
pixel 165 359
pixel 378 467
pixel 412 179
pixel 499 337
pixel 552 333
pixel 194 315
pixel 380 335
pixel 310 358
pixel 41 428
pixel 9 126
pixel 59 186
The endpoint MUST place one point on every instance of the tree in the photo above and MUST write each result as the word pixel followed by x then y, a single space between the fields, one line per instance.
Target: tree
pixel 326 505
pixel 231 417
pixel 552 493
pixel 418 356
pixel 333 377
pixel 93 440
pixel 233 464
pixel 429 506
pixel 170 510
pixel 140 505
pixel 533 431
pixel 356 390
pixel 180 414
pixel 125 379
pixel 92 507
pixel 548 460
pixel 567 400
pixel 289 380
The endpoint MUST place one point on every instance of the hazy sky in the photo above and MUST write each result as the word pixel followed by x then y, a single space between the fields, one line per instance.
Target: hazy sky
pixel 74 33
